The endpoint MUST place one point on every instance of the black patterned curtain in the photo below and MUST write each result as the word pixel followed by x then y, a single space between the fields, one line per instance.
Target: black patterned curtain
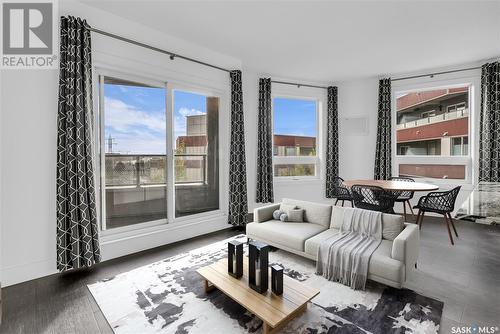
pixel 489 140
pixel 77 228
pixel 265 145
pixel 383 166
pixel 332 142
pixel 238 207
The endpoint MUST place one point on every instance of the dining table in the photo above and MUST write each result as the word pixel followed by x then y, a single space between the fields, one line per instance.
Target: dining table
pixel 391 185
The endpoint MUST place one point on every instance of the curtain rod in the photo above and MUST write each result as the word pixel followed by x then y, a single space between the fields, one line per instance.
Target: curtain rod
pixel 171 54
pixel 297 84
pixel 175 55
pixel 436 73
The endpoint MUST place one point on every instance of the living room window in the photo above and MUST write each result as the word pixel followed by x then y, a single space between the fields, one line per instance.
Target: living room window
pixel 140 122
pixel 432 132
pixel 295 137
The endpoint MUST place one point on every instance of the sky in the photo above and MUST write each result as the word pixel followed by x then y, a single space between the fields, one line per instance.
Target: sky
pixel 294 117
pixel 135 117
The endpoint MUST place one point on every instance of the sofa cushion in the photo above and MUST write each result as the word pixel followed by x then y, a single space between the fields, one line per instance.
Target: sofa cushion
pixel 315 213
pixel 292 235
pixel 312 244
pixel 381 263
pixel 392 225
pixel 286 207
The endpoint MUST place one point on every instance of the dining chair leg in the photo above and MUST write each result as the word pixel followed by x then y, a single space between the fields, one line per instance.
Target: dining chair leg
pixel 336 201
pixel 342 203
pixel 452 224
pixel 448 227
pixel 420 217
pixel 404 210
pixel 411 209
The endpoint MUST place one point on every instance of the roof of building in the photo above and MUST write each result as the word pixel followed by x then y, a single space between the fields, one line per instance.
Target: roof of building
pixel 415 99
pixel 287 140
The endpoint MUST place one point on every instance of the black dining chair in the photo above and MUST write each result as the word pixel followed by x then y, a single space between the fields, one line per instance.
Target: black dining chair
pixel 340 191
pixel 442 202
pixel 405 196
pixel 373 198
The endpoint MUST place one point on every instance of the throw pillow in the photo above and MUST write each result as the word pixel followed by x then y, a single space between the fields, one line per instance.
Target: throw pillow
pixel 277 214
pixel 296 215
pixel 284 217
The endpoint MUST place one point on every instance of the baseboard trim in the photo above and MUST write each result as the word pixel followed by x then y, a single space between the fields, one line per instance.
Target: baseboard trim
pixel 117 248
pixel 28 271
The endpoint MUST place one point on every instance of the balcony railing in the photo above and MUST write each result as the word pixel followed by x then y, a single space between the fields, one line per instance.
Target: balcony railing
pixel 435 119
pixel 140 171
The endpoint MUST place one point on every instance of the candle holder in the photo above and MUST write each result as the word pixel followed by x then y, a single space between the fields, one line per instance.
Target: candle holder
pixel 277 279
pixel 235 258
pixel 258 258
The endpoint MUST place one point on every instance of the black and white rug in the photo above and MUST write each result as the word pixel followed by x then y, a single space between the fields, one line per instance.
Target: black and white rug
pixel 168 297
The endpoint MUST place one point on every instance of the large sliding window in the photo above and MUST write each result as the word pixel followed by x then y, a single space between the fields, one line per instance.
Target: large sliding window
pixel 196 128
pixel 432 132
pixel 295 134
pixel 134 145
pixel 140 123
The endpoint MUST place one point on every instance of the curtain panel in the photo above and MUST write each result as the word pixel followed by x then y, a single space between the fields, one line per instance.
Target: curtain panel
pixel 265 144
pixel 383 165
pixel 332 142
pixel 238 207
pixel 77 227
pixel 489 140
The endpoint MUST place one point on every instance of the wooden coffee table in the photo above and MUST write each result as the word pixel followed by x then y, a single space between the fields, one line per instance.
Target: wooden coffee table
pixel 274 311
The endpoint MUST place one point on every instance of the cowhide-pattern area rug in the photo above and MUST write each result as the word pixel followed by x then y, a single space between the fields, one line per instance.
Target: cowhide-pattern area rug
pixel 168 297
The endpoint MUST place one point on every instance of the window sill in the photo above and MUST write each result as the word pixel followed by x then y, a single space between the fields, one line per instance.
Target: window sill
pixel 292 181
pixel 110 236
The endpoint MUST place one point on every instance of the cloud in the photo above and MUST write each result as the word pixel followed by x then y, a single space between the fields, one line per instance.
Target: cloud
pixel 189 112
pixel 180 120
pixel 123 117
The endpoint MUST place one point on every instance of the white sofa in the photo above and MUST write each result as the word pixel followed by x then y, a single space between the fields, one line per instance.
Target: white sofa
pixel 389 264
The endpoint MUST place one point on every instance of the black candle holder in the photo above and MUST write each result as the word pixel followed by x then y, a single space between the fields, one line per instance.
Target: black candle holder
pixel 258 259
pixel 277 279
pixel 235 258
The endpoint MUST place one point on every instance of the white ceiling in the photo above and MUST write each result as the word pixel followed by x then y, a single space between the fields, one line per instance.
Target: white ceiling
pixel 329 40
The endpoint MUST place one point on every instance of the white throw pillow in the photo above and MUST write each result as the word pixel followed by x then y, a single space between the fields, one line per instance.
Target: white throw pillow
pixel 296 215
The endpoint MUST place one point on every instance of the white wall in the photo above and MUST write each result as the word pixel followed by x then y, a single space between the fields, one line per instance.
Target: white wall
pixel 28 142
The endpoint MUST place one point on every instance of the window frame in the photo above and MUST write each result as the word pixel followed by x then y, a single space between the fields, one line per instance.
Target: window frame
pixel 470 160
pixel 102 71
pixel 315 160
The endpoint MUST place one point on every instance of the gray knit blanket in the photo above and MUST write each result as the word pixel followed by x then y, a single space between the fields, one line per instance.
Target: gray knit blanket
pixel 345 255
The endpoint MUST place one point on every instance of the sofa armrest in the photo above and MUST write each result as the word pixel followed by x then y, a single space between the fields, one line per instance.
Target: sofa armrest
pixel 406 245
pixel 265 213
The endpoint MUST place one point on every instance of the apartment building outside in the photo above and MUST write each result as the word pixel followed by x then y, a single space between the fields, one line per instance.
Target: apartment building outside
pixel 433 123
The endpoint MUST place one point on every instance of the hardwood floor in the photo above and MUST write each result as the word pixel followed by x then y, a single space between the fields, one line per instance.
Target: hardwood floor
pixel 464 276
